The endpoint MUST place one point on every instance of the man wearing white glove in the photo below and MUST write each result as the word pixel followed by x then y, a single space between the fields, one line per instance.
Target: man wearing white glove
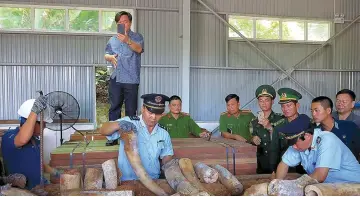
pixel 21 146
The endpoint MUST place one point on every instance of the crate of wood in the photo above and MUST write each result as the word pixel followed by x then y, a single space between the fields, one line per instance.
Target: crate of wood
pixel 228 153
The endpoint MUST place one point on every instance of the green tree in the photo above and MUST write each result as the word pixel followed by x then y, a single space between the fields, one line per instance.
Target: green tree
pixel 108 23
pixel 245 26
pixel 15 18
pixel 84 20
pixel 50 19
pixel 293 30
pixel 267 29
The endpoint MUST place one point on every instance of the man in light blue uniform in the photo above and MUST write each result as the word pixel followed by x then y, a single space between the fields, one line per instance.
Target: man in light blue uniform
pixel 323 155
pixel 153 141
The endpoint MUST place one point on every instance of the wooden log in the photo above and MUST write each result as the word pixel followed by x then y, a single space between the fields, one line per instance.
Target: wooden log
pixel 176 179
pixel 257 190
pixel 228 180
pixel 110 174
pixel 295 187
pixel 333 189
pixel 70 179
pixel 188 171
pixel 216 188
pixel 79 192
pixel 7 190
pixel 205 173
pixel 93 178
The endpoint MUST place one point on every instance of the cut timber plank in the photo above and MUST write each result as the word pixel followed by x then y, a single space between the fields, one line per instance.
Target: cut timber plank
pixel 196 149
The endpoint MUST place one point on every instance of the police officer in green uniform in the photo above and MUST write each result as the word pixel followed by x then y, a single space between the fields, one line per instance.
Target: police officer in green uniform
pixel 269 143
pixel 289 105
pixel 234 123
pixel 179 124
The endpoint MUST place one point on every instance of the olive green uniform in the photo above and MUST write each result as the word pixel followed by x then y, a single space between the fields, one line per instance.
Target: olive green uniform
pixel 288 95
pixel 182 127
pixel 238 125
pixel 270 149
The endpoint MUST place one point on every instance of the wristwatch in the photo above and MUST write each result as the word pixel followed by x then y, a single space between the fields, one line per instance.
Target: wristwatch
pixel 129 42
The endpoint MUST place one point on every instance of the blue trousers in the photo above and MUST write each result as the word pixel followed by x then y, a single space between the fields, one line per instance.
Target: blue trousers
pixel 120 93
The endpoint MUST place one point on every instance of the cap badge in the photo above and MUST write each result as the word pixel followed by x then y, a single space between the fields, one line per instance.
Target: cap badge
pixel 158 99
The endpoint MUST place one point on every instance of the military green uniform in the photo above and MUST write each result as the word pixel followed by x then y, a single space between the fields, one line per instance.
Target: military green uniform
pixel 236 124
pixel 182 127
pixel 272 145
pixel 270 148
pixel 287 95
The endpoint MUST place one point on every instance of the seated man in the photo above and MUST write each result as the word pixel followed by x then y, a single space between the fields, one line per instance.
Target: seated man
pixel 346 131
pixel 234 123
pixel 324 157
pixel 345 102
pixel 179 124
pixel 21 146
pixel 152 140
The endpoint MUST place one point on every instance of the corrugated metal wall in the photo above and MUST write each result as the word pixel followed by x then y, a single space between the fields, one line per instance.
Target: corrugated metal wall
pixel 160 23
pixel 19 83
pixel 66 60
pixel 210 86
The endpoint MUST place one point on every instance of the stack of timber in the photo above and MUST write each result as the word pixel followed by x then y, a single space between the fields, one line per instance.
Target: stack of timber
pixel 216 151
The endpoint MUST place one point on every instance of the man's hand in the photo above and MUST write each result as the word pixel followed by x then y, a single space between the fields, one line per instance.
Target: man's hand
pixel 256 140
pixel 39 105
pixel 265 123
pixel 204 134
pixel 123 37
pixel 112 59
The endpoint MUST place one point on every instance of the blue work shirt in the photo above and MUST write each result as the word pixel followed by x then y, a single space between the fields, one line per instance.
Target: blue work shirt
pixel 128 61
pixel 349 134
pixel 326 151
pixel 151 147
pixel 24 160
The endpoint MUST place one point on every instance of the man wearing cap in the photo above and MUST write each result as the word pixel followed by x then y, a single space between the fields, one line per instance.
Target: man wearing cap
pixel 289 101
pixel 234 123
pixel 21 146
pixel 345 102
pixel 179 124
pixel 324 157
pixel 153 140
pixel 346 131
pixel 268 141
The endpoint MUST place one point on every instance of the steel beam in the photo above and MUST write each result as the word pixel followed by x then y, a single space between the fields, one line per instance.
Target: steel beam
pixel 284 72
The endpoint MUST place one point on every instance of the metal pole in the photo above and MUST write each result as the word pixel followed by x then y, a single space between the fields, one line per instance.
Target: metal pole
pixel 311 54
pixel 41 146
pixel 256 48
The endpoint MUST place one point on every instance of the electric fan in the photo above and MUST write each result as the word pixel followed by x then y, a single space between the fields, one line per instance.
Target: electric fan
pixel 63 109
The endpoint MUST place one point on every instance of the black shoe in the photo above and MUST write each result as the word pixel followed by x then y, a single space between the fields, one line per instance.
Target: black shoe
pixel 112 143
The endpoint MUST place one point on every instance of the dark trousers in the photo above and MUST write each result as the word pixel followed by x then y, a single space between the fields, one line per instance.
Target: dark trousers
pixel 118 93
